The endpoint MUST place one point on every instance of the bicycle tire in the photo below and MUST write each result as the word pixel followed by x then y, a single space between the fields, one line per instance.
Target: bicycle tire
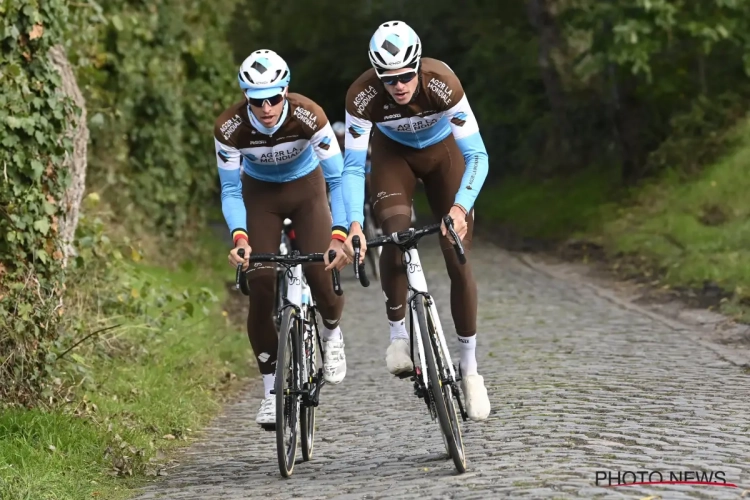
pixel 287 405
pixel 307 417
pixel 442 398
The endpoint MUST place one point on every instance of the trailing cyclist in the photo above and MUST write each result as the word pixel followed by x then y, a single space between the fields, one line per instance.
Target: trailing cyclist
pixel 424 129
pixel 269 146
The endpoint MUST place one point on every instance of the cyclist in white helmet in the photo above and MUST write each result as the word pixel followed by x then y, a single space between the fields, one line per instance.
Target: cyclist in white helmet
pixel 424 129
pixel 270 148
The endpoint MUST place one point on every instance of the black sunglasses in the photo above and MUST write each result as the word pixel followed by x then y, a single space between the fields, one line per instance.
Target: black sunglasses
pixel 403 78
pixel 273 101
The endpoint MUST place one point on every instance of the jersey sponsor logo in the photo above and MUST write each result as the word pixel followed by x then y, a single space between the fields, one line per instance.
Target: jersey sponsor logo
pixel 474 170
pixel 441 89
pixel 279 156
pixel 416 126
pixel 459 119
pixel 356 131
pixel 391 117
pixel 223 155
pixel 307 117
pixel 364 98
pixel 230 126
pixel 257 143
pixel 325 143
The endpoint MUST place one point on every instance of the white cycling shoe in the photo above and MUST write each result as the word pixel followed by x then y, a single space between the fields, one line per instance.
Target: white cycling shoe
pixel 267 413
pixel 475 396
pixel 334 361
pixel 397 357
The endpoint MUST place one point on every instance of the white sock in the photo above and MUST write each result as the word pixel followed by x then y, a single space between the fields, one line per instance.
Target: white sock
pixel 334 334
pixel 268 383
pixel 468 348
pixel 398 330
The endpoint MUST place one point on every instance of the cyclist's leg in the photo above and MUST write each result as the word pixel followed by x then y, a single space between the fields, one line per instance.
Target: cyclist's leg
pixel 392 183
pixel 441 186
pixel 264 225
pixel 312 219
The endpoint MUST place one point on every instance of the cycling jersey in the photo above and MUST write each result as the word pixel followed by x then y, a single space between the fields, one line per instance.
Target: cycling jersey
pixel 292 149
pixel 438 109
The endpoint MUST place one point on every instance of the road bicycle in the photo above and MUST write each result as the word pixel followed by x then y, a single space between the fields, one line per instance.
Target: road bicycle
pixel 299 371
pixel 434 376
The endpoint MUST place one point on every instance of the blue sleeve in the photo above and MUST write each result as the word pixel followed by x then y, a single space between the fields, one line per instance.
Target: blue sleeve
pixel 232 205
pixel 332 170
pixel 353 180
pixel 477 166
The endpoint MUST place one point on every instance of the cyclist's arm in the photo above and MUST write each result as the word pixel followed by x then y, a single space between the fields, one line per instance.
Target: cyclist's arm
pixel 327 148
pixel 355 157
pixel 466 131
pixel 229 161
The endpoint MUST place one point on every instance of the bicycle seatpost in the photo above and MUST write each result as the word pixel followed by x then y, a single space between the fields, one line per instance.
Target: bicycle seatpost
pixel 335 274
pixel 359 268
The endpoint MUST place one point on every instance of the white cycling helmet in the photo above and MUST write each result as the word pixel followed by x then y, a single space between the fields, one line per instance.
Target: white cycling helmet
pixel 263 74
pixel 394 46
pixel 339 128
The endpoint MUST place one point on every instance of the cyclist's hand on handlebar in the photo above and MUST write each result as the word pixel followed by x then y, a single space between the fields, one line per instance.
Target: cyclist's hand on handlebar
pixel 341 260
pixel 355 230
pixel 235 259
pixel 459 224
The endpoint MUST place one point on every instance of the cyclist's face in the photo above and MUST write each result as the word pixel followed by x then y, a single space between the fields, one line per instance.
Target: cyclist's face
pixel 269 111
pixel 402 88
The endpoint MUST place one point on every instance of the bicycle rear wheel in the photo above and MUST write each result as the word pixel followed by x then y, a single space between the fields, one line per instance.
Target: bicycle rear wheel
pixel 441 394
pixel 287 395
pixel 309 384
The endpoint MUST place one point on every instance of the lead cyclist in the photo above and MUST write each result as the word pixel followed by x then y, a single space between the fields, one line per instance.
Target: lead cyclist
pixel 424 129
pixel 275 153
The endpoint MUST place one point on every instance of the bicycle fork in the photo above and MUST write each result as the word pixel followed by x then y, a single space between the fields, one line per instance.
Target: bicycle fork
pixel 418 289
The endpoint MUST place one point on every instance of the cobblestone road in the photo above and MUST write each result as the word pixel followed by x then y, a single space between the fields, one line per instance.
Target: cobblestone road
pixel 578 385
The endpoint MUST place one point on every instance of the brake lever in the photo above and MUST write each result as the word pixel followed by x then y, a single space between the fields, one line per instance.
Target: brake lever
pixel 359 268
pixel 456 240
pixel 241 254
pixel 335 274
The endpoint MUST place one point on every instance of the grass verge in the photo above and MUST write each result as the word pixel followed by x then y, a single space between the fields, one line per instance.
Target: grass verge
pixel 128 397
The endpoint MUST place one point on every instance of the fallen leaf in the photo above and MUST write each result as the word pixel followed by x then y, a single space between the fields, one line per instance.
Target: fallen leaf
pixel 52 447
pixel 653 497
pixel 36 32
pixel 168 437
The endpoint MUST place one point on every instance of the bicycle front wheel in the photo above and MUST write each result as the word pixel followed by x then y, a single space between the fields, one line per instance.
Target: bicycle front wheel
pixel 287 392
pixel 441 394
pixel 310 384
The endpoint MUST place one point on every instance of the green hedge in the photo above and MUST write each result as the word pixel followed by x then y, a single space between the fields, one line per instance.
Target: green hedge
pixel 155 76
pixel 32 182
